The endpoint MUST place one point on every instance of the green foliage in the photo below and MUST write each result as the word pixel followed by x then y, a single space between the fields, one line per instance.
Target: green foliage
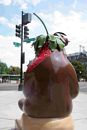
pixel 4 69
pixel 53 41
pixel 14 70
pixel 80 69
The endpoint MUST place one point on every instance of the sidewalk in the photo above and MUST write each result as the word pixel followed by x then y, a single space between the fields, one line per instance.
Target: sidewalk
pixel 9 110
pixel 79 112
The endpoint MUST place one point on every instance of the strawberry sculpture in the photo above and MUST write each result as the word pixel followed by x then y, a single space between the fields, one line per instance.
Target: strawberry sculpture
pixel 50 81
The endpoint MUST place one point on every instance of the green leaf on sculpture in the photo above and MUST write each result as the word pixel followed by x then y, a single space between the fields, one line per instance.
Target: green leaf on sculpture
pixel 53 40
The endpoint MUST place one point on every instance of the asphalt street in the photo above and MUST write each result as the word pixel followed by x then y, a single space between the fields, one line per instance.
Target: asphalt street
pixel 83 87
pixel 14 86
pixel 8 86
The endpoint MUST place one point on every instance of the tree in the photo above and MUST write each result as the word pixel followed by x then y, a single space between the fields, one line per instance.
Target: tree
pixel 14 70
pixel 3 68
pixel 80 69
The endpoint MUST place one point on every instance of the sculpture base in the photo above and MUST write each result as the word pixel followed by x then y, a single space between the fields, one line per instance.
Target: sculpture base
pixel 28 123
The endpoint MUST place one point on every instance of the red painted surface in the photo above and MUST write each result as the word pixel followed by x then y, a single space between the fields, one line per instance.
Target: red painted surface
pixel 45 52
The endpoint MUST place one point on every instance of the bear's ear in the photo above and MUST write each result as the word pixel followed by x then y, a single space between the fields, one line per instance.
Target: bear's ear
pixel 63 37
pixel 56 33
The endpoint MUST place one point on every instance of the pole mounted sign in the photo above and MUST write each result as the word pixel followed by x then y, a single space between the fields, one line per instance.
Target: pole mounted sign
pixel 17 44
pixel 28 40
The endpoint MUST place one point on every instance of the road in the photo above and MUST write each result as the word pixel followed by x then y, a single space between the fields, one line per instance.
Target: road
pixel 14 86
pixel 8 86
pixel 83 87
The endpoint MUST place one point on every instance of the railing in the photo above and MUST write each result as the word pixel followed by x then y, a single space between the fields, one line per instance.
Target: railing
pixel 8 77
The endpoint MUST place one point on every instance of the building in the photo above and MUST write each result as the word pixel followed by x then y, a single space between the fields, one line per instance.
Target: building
pixel 79 56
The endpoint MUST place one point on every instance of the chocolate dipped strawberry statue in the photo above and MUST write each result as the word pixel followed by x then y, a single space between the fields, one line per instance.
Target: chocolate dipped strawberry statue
pixel 50 81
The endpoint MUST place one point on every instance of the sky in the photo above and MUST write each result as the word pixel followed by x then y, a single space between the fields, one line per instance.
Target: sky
pixel 68 16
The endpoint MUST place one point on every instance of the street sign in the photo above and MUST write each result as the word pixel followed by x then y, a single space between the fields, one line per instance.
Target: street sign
pixel 17 44
pixel 28 40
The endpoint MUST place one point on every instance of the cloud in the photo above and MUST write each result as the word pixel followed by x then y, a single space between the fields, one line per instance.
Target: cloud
pixel 5 2
pixel 35 2
pixel 71 24
pixel 24 4
pixel 7 50
pixel 11 54
pixel 6 22
pixel 75 4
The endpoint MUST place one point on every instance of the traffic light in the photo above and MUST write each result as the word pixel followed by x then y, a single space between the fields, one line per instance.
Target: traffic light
pixel 26 18
pixel 26 32
pixel 18 31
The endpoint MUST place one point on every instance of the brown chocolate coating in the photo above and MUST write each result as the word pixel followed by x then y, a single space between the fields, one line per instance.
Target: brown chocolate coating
pixel 50 88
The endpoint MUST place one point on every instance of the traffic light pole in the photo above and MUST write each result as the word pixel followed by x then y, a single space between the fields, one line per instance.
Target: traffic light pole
pixel 21 64
pixel 25 19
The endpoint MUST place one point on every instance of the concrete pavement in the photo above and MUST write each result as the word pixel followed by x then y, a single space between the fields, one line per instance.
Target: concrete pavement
pixel 79 112
pixel 9 110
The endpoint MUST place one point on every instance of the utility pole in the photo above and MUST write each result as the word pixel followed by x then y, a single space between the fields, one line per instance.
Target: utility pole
pixel 80 48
